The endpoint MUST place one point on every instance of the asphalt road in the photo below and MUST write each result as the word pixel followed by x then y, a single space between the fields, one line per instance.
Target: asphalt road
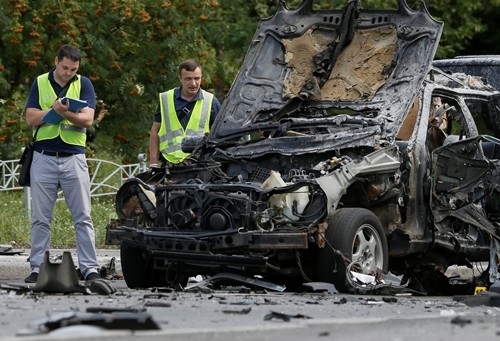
pixel 231 313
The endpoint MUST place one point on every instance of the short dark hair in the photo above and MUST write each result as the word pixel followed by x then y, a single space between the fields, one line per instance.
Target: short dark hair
pixel 189 65
pixel 69 51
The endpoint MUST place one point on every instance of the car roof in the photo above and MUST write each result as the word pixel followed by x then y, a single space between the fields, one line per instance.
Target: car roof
pixel 486 66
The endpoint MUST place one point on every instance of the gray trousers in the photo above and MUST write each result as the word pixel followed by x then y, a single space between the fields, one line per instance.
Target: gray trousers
pixel 70 174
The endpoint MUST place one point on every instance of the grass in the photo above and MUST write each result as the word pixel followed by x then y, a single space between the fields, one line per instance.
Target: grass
pixel 15 225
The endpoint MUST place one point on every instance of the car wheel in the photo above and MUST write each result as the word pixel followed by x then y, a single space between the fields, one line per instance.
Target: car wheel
pixel 358 236
pixel 135 266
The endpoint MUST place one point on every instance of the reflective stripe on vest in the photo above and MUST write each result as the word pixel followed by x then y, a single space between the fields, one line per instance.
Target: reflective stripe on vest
pixel 172 133
pixel 70 133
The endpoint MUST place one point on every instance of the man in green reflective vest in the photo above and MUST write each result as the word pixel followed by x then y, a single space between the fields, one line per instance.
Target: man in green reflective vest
pixel 186 110
pixel 59 160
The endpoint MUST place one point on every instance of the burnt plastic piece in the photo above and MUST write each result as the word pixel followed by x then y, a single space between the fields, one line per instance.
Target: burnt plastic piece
pixel 247 281
pixel 319 287
pixel 6 250
pixel 110 321
pixel 60 277
pixel 274 315
pixel 101 286
pixel 17 289
pixel 108 271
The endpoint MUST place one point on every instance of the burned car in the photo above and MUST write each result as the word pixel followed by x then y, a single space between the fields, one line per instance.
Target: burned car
pixel 338 149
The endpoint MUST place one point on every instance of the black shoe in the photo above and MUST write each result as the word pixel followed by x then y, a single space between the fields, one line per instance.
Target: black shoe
pixel 92 276
pixel 31 278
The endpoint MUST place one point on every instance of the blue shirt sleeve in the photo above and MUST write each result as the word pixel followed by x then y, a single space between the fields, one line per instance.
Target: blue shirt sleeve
pixel 33 101
pixel 158 114
pixel 87 92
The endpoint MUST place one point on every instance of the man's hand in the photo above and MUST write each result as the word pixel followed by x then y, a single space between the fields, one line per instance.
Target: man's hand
pixel 60 107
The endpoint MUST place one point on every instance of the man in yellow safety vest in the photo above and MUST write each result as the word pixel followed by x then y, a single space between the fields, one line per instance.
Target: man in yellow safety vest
pixel 59 160
pixel 183 111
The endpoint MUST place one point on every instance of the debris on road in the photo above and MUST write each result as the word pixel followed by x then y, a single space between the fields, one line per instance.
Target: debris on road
pixel 106 321
pixel 59 275
pixel 7 250
pixel 273 315
pixel 231 278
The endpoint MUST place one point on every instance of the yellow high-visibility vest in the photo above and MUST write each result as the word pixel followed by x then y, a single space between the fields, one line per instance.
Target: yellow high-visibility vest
pixel 172 133
pixel 70 133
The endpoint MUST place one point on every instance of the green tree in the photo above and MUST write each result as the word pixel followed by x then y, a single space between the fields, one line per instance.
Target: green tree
pixel 131 52
pixel 486 42
pixel 461 23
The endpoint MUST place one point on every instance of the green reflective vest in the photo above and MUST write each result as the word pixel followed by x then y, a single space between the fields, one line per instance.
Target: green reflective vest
pixel 70 133
pixel 172 133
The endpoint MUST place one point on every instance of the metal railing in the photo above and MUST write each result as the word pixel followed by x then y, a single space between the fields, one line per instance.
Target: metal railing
pixel 106 177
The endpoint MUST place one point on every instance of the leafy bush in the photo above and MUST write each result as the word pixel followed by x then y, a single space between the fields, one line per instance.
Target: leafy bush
pixel 14 132
pixel 131 50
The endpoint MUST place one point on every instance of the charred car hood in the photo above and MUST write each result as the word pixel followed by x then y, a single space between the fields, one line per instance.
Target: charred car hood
pixel 349 71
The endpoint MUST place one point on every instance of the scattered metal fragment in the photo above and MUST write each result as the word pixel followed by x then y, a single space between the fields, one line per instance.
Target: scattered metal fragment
pixel 199 287
pixel 284 317
pixel 225 277
pixel 114 310
pixel 159 304
pixel 319 287
pixel 250 281
pixel 108 271
pixel 238 312
pixel 162 289
pixel 16 288
pixel 461 321
pixel 237 303
pixel 383 284
pixel 7 250
pixel 116 320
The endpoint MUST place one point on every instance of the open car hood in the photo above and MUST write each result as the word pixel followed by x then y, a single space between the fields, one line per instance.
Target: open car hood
pixel 330 66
